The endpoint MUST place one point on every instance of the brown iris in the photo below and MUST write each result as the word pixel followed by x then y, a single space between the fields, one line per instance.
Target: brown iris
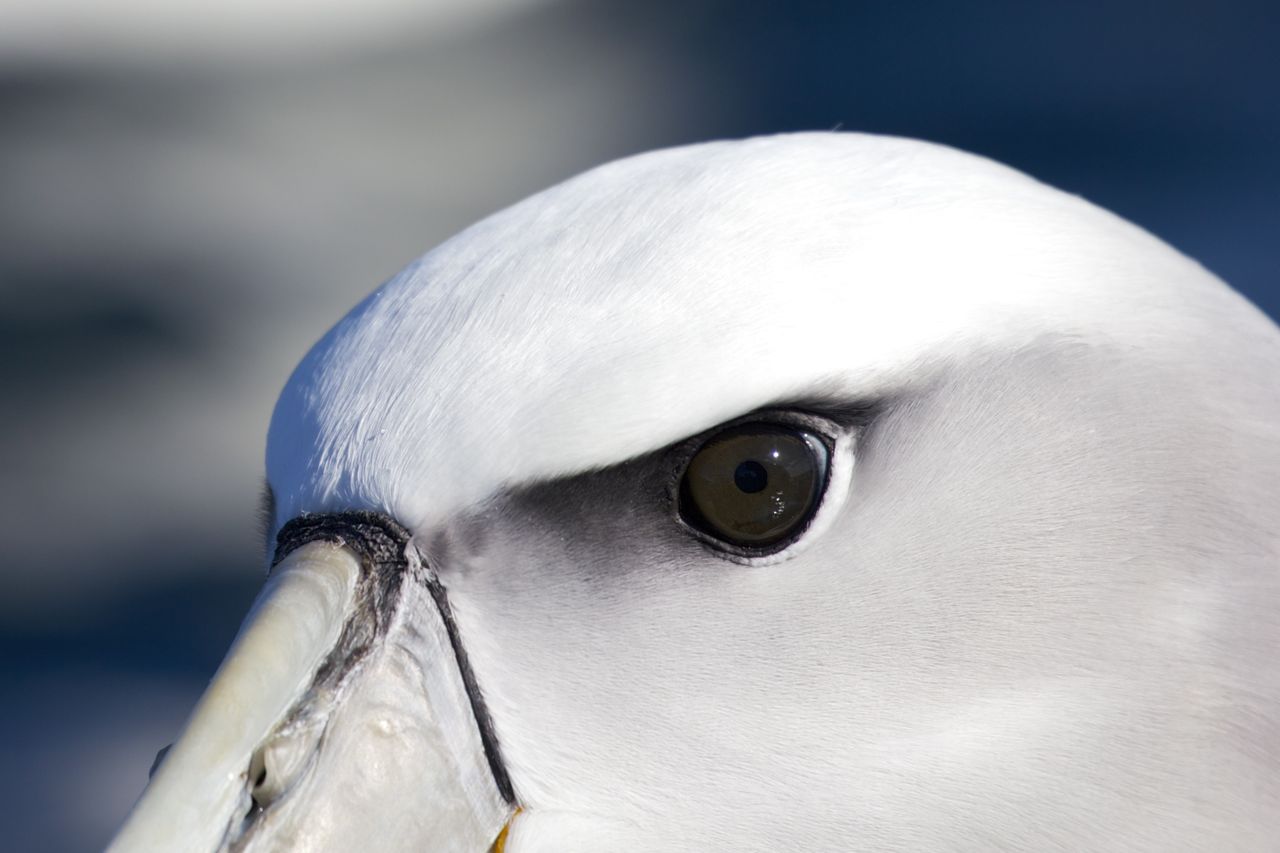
pixel 754 485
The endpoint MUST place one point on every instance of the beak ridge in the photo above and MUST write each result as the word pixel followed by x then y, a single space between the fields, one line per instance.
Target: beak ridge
pixel 200 783
pixel 340 719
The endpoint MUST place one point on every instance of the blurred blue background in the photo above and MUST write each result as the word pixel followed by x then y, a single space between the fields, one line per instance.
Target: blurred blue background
pixel 190 195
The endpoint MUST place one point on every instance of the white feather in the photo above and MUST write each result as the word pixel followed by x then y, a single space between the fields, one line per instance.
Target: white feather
pixel 1047 616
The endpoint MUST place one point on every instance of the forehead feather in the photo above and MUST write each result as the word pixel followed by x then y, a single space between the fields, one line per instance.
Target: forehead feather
pixel 656 296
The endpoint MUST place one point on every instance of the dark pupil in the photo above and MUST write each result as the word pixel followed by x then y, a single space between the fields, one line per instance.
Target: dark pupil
pixel 750 477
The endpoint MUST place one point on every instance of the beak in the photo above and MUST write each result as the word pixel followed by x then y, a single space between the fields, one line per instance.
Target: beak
pixel 344 717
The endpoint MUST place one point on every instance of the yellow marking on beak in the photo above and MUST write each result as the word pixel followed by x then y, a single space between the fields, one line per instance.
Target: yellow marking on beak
pixel 500 843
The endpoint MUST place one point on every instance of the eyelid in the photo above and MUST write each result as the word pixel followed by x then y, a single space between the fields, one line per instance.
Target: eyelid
pixel 827 430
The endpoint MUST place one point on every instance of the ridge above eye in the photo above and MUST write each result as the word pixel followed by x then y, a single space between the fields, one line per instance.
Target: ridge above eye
pixel 754 486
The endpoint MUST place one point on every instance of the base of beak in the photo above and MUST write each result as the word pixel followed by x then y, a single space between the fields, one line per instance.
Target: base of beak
pixel 282 755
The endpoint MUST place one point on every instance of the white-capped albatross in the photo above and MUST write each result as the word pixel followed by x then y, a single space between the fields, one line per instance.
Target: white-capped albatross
pixel 813 492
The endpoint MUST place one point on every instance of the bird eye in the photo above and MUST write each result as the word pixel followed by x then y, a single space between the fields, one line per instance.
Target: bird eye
pixel 754 485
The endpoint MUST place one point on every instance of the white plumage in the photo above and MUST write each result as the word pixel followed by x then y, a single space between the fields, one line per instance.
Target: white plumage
pixel 1041 607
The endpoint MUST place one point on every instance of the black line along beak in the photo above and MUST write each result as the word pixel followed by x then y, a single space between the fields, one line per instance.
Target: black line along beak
pixel 345 715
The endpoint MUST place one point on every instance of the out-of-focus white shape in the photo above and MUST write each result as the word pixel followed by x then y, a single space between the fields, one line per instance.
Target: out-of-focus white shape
pixel 294 624
pixel 144 31
pixel 246 210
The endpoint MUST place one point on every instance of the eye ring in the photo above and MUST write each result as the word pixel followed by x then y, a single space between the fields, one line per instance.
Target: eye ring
pixel 752 488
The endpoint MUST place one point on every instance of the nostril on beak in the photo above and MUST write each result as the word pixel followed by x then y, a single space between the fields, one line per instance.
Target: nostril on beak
pixel 280 762
pixel 257 779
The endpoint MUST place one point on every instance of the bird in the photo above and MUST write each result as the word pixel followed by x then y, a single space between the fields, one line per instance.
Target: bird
pixel 808 492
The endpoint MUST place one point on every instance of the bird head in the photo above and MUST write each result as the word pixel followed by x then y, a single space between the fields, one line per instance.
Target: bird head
pixel 813 492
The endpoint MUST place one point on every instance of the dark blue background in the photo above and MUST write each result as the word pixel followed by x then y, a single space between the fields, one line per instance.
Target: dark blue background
pixel 1165 112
